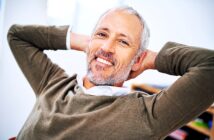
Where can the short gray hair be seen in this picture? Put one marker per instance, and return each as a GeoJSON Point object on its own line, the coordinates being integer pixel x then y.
{"type": "Point", "coordinates": [145, 33]}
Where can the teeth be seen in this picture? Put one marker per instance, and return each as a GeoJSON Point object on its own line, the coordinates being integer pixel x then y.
{"type": "Point", "coordinates": [104, 61]}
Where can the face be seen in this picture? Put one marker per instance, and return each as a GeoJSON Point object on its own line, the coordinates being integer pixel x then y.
{"type": "Point", "coordinates": [112, 49]}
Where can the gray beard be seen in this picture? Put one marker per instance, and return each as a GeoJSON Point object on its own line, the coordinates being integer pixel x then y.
{"type": "Point", "coordinates": [115, 78]}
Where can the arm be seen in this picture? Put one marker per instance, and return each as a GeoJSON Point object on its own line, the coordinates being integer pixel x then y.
{"type": "Point", "coordinates": [27, 44]}
{"type": "Point", "coordinates": [190, 95]}
{"type": "Point", "coordinates": [148, 62]}
{"type": "Point", "coordinates": [79, 42]}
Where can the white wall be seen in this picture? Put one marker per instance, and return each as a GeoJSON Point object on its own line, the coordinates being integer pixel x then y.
{"type": "Point", "coordinates": [17, 98]}
{"type": "Point", "coordinates": [2, 6]}
{"type": "Point", "coordinates": [184, 21]}
{"type": "Point", "coordinates": [189, 22]}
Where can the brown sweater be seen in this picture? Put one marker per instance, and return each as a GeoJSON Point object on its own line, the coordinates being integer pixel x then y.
{"type": "Point", "coordinates": [63, 112]}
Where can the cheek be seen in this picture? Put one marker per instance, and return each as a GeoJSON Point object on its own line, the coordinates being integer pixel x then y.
{"type": "Point", "coordinates": [124, 58]}
{"type": "Point", "coordinates": [122, 63]}
{"type": "Point", "coordinates": [91, 51]}
{"type": "Point", "coordinates": [94, 45]}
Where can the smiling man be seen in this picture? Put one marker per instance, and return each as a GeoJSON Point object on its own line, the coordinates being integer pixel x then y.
{"type": "Point", "coordinates": [97, 106]}
{"type": "Point", "coordinates": [117, 33]}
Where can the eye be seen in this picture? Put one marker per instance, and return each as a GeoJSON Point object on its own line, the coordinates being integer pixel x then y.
{"type": "Point", "coordinates": [124, 42]}
{"type": "Point", "coordinates": [101, 34]}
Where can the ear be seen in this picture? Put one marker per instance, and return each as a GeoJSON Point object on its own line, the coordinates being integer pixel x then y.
{"type": "Point", "coordinates": [138, 62]}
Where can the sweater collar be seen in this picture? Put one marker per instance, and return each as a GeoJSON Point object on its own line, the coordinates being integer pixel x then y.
{"type": "Point", "coordinates": [103, 90]}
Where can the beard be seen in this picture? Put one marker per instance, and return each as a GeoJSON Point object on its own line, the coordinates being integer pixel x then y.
{"type": "Point", "coordinates": [117, 76]}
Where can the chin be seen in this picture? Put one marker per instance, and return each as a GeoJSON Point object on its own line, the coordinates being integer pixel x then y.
{"type": "Point", "coordinates": [104, 77]}
{"type": "Point", "coordinates": [98, 79]}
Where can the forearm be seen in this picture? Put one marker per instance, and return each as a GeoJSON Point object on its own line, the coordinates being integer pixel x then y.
{"type": "Point", "coordinates": [192, 93]}
{"type": "Point", "coordinates": [41, 37]}
{"type": "Point", "coordinates": [179, 59]}
{"type": "Point", "coordinates": [150, 60]}
{"type": "Point", "coordinates": [27, 44]}
{"type": "Point", "coordinates": [79, 42]}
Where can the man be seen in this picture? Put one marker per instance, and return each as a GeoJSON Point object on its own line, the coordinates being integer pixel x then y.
{"type": "Point", "coordinates": [97, 106]}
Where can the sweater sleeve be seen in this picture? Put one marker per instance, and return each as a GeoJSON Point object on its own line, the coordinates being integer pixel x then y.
{"type": "Point", "coordinates": [190, 95]}
{"type": "Point", "coordinates": [27, 44]}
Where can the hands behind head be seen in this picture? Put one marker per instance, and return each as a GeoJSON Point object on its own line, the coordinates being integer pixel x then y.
{"type": "Point", "coordinates": [147, 62]}
{"type": "Point", "coordinates": [79, 42]}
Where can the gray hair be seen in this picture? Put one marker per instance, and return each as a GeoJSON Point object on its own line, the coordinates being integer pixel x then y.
{"type": "Point", "coordinates": [145, 33]}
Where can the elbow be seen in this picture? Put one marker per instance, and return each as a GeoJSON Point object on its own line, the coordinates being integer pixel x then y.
{"type": "Point", "coordinates": [11, 35]}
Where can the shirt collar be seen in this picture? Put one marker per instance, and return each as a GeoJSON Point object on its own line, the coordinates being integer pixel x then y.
{"type": "Point", "coordinates": [103, 90]}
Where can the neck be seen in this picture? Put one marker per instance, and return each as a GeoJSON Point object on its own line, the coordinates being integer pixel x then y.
{"type": "Point", "coordinates": [88, 84]}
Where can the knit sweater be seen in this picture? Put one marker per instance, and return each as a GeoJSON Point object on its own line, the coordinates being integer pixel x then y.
{"type": "Point", "coordinates": [63, 112]}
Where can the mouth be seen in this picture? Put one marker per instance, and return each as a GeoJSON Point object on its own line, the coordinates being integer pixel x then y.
{"type": "Point", "coordinates": [104, 61]}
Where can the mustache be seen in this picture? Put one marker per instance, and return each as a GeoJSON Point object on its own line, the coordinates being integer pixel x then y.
{"type": "Point", "coordinates": [107, 55]}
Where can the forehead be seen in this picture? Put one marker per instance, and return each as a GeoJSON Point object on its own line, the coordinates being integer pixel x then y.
{"type": "Point", "coordinates": [122, 22]}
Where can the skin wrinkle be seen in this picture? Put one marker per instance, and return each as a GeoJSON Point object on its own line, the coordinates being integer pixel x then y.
{"type": "Point", "coordinates": [120, 109]}
{"type": "Point", "coordinates": [107, 55]}
{"type": "Point", "coordinates": [145, 32]}
{"type": "Point", "coordinates": [104, 44]}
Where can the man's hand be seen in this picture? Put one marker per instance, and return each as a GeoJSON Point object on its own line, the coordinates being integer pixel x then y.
{"type": "Point", "coordinates": [147, 62]}
{"type": "Point", "coordinates": [79, 42]}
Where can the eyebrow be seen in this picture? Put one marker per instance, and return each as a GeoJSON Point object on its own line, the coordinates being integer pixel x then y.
{"type": "Point", "coordinates": [121, 34]}
{"type": "Point", "coordinates": [103, 28]}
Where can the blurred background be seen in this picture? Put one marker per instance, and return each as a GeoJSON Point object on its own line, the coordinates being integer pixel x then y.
{"type": "Point", "coordinates": [185, 21]}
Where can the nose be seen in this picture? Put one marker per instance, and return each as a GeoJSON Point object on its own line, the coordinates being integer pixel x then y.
{"type": "Point", "coordinates": [108, 46]}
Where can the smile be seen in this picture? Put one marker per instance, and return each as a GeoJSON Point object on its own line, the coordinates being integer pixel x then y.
{"type": "Point", "coordinates": [104, 61]}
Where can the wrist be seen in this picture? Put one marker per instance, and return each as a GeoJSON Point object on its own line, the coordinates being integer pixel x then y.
{"type": "Point", "coordinates": [79, 42]}
{"type": "Point", "coordinates": [151, 56]}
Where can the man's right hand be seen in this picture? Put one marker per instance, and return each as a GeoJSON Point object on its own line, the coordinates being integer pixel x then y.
{"type": "Point", "coordinates": [148, 62]}
{"type": "Point", "coordinates": [79, 42]}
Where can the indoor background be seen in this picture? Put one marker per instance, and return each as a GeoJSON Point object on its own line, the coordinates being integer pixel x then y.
{"type": "Point", "coordinates": [185, 21]}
